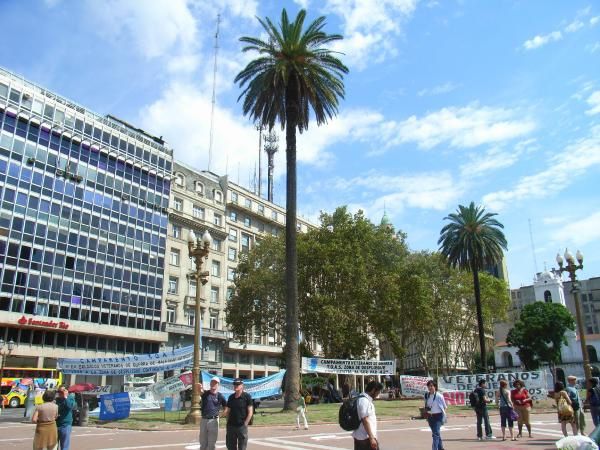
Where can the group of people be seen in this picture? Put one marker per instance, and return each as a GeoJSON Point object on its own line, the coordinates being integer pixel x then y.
{"type": "Point", "coordinates": [54, 420]}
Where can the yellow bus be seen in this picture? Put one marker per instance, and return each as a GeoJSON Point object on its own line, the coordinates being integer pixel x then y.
{"type": "Point", "coordinates": [16, 381]}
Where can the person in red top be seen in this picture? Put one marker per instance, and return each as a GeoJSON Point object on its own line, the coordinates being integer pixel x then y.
{"type": "Point", "coordinates": [523, 403]}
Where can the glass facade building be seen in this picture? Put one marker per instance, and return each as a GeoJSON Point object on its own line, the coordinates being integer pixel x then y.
{"type": "Point", "coordinates": [83, 223]}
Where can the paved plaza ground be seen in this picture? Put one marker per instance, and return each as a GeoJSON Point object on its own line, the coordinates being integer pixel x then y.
{"type": "Point", "coordinates": [459, 434]}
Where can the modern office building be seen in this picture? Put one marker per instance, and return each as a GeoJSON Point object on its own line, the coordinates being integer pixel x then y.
{"type": "Point", "coordinates": [83, 226]}
{"type": "Point", "coordinates": [236, 218]}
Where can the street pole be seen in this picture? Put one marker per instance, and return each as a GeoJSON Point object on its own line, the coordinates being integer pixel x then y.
{"type": "Point", "coordinates": [199, 250]}
{"type": "Point", "coordinates": [3, 355]}
{"type": "Point", "coordinates": [571, 268]}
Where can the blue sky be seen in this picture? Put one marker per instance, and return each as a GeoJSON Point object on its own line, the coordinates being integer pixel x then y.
{"type": "Point", "coordinates": [447, 102]}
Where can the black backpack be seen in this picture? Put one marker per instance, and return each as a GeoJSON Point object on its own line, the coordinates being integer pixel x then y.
{"type": "Point", "coordinates": [348, 415]}
{"type": "Point", "coordinates": [474, 399]}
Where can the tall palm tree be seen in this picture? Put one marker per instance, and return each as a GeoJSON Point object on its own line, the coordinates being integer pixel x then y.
{"type": "Point", "coordinates": [294, 74]}
{"type": "Point", "coordinates": [472, 240]}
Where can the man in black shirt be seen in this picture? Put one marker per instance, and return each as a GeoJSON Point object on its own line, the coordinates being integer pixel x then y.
{"type": "Point", "coordinates": [481, 411]}
{"type": "Point", "coordinates": [212, 401]}
{"type": "Point", "coordinates": [239, 413]}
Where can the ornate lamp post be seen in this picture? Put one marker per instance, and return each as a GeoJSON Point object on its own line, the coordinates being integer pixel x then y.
{"type": "Point", "coordinates": [571, 268]}
{"type": "Point", "coordinates": [4, 352]}
{"type": "Point", "coordinates": [199, 249]}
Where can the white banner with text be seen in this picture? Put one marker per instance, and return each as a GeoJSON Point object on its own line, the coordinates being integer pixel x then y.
{"type": "Point", "coordinates": [348, 366]}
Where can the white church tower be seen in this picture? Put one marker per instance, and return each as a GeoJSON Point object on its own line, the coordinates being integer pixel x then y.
{"type": "Point", "coordinates": [548, 287]}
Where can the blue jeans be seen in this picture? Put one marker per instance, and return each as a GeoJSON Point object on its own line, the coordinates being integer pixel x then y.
{"type": "Point", "coordinates": [435, 423]}
{"type": "Point", "coordinates": [483, 416]}
{"type": "Point", "coordinates": [595, 410]}
{"type": "Point", "coordinates": [64, 437]}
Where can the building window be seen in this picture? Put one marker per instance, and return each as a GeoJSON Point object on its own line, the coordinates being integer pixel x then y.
{"type": "Point", "coordinates": [170, 314]}
{"type": "Point", "coordinates": [261, 227]}
{"type": "Point", "coordinates": [176, 231]}
{"type": "Point", "coordinates": [191, 318]}
{"type": "Point", "coordinates": [175, 257]}
{"type": "Point", "coordinates": [214, 321]}
{"type": "Point", "coordinates": [215, 269]}
{"type": "Point", "coordinates": [232, 254]}
{"type": "Point", "coordinates": [234, 197]}
{"type": "Point", "coordinates": [274, 215]}
{"type": "Point", "coordinates": [178, 204]}
{"type": "Point", "coordinates": [218, 220]}
{"type": "Point", "coordinates": [548, 297]}
{"type": "Point", "coordinates": [245, 242]}
{"type": "Point", "coordinates": [233, 216]}
{"type": "Point", "coordinates": [217, 244]}
{"type": "Point", "coordinates": [232, 235]}
{"type": "Point", "coordinates": [218, 197]}
{"type": "Point", "coordinates": [230, 274]}
{"type": "Point", "coordinates": [179, 179]}
{"type": "Point", "coordinates": [192, 288]}
{"type": "Point", "coordinates": [248, 203]}
{"type": "Point", "coordinates": [214, 294]}
{"type": "Point", "coordinates": [192, 263]}
{"type": "Point", "coordinates": [199, 188]}
{"type": "Point", "coordinates": [247, 221]}
{"type": "Point", "coordinates": [198, 212]}
{"type": "Point", "coordinates": [173, 285]}
{"type": "Point", "coordinates": [261, 209]}
{"type": "Point", "coordinates": [229, 293]}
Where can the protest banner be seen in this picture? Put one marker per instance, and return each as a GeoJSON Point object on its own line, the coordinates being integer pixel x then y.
{"type": "Point", "coordinates": [534, 382]}
{"type": "Point", "coordinates": [168, 386]}
{"type": "Point", "coordinates": [98, 390]}
{"type": "Point", "coordinates": [258, 388]}
{"type": "Point", "coordinates": [348, 366]}
{"type": "Point", "coordinates": [455, 398]}
{"type": "Point", "coordinates": [114, 406]}
{"type": "Point", "coordinates": [128, 364]}
{"type": "Point", "coordinates": [413, 386]}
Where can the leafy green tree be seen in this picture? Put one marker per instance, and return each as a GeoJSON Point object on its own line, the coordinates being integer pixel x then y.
{"type": "Point", "coordinates": [471, 240]}
{"type": "Point", "coordinates": [540, 332]}
{"type": "Point", "coordinates": [294, 74]}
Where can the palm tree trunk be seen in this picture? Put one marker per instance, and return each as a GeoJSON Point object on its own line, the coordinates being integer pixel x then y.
{"type": "Point", "coordinates": [292, 361]}
{"type": "Point", "coordinates": [479, 319]}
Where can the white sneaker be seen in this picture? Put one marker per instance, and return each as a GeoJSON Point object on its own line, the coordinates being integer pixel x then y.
{"type": "Point", "coordinates": [489, 438]}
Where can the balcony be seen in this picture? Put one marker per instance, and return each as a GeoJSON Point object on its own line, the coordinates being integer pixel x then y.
{"type": "Point", "coordinates": [190, 300]}
{"type": "Point", "coordinates": [189, 330]}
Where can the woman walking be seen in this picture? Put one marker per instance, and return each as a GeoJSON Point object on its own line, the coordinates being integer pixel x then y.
{"type": "Point", "coordinates": [44, 416]}
{"type": "Point", "coordinates": [301, 412]}
{"type": "Point", "coordinates": [564, 407]}
{"type": "Point", "coordinates": [435, 411]}
{"type": "Point", "coordinates": [506, 410]}
{"type": "Point", "coordinates": [522, 402]}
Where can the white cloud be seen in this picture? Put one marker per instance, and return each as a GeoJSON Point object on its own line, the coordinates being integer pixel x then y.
{"type": "Point", "coordinates": [593, 48]}
{"type": "Point", "coordinates": [594, 102]}
{"type": "Point", "coordinates": [574, 26]}
{"type": "Point", "coordinates": [562, 170]}
{"type": "Point", "coordinates": [496, 158]}
{"type": "Point", "coordinates": [468, 126]}
{"type": "Point", "coordinates": [435, 190]}
{"type": "Point", "coordinates": [540, 40]}
{"type": "Point", "coordinates": [580, 231]}
{"type": "Point", "coordinates": [369, 27]}
{"type": "Point", "coordinates": [594, 21]}
{"type": "Point", "coordinates": [437, 90]}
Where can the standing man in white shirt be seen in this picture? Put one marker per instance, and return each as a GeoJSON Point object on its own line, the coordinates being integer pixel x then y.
{"type": "Point", "coordinates": [365, 436]}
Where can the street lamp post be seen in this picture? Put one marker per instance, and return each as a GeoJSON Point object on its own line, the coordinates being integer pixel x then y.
{"type": "Point", "coordinates": [571, 268]}
{"type": "Point", "coordinates": [198, 249]}
{"type": "Point", "coordinates": [4, 353]}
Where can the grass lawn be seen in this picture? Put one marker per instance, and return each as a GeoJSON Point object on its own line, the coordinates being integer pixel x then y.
{"type": "Point", "coordinates": [322, 413]}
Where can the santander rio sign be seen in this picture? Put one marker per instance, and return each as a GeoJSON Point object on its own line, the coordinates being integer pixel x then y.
{"type": "Point", "coordinates": [24, 321]}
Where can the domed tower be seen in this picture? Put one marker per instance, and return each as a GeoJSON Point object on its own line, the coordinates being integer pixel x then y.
{"type": "Point", "coordinates": [385, 221]}
{"type": "Point", "coordinates": [548, 288]}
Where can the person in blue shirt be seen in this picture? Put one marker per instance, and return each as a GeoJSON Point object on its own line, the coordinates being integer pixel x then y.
{"type": "Point", "coordinates": [64, 422]}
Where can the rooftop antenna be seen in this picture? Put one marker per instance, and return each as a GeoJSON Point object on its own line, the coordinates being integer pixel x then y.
{"type": "Point", "coordinates": [271, 148]}
{"type": "Point", "coordinates": [214, 95]}
{"type": "Point", "coordinates": [260, 129]}
{"type": "Point", "coordinates": [532, 247]}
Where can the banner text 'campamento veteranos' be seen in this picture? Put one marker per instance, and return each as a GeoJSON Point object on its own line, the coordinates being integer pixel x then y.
{"type": "Point", "coordinates": [348, 366]}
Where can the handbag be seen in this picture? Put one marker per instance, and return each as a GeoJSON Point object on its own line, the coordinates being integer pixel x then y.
{"type": "Point", "coordinates": [512, 413]}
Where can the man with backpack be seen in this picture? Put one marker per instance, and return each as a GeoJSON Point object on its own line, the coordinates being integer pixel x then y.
{"type": "Point", "coordinates": [573, 391]}
{"type": "Point", "coordinates": [479, 400]}
{"type": "Point", "coordinates": [365, 436]}
{"type": "Point", "coordinates": [593, 398]}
